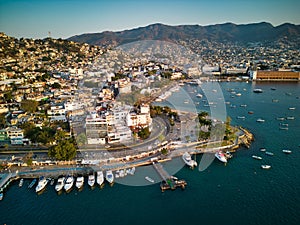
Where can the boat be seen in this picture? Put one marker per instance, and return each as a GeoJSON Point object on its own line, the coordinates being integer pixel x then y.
{"type": "Point", "coordinates": [220, 156]}
{"type": "Point", "coordinates": [91, 180]}
{"type": "Point", "coordinates": [273, 88]}
{"type": "Point", "coordinates": [52, 181]}
{"type": "Point", "coordinates": [60, 184]}
{"type": "Point", "coordinates": [269, 153]}
{"type": "Point", "coordinates": [283, 128]}
{"type": "Point", "coordinates": [109, 176]}
{"type": "Point", "coordinates": [262, 149]}
{"type": "Point", "coordinates": [256, 157]}
{"type": "Point", "coordinates": [199, 96]}
{"type": "Point", "coordinates": [131, 171]}
{"type": "Point", "coordinates": [292, 108]}
{"type": "Point", "coordinates": [257, 90]}
{"type": "Point", "coordinates": [41, 184]}
{"type": "Point", "coordinates": [290, 118]}
{"type": "Point", "coordinates": [100, 178]}
{"type": "Point", "coordinates": [238, 94]}
{"type": "Point", "coordinates": [275, 100]}
{"type": "Point", "coordinates": [1, 196]}
{"type": "Point", "coordinates": [241, 117]}
{"type": "Point", "coordinates": [21, 182]}
{"type": "Point", "coordinates": [250, 112]}
{"type": "Point", "coordinates": [260, 120]}
{"type": "Point", "coordinates": [280, 118]}
{"type": "Point", "coordinates": [266, 167]}
{"type": "Point", "coordinates": [79, 182]}
{"type": "Point", "coordinates": [149, 179]}
{"type": "Point", "coordinates": [228, 155]}
{"type": "Point", "coordinates": [69, 183]}
{"type": "Point", "coordinates": [187, 158]}
{"type": "Point", "coordinates": [287, 151]}
{"type": "Point", "coordinates": [32, 183]}
{"type": "Point", "coordinates": [243, 105]}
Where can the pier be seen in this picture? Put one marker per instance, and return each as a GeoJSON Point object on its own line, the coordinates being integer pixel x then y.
{"type": "Point", "coordinates": [6, 179]}
{"type": "Point", "coordinates": [169, 182]}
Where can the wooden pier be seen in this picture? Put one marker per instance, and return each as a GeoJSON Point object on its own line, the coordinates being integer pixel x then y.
{"type": "Point", "coordinates": [169, 182]}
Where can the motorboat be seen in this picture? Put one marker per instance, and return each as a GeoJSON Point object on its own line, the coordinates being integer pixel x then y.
{"type": "Point", "coordinates": [100, 178]}
{"type": "Point", "coordinates": [260, 120]}
{"type": "Point", "coordinates": [60, 184]}
{"type": "Point", "coordinates": [187, 158]}
{"type": "Point", "coordinates": [79, 182]}
{"type": "Point", "coordinates": [262, 149]}
{"type": "Point", "coordinates": [199, 96]}
{"type": "Point", "coordinates": [269, 153]}
{"type": "Point", "coordinates": [292, 108]}
{"type": "Point", "coordinates": [290, 118]}
{"type": "Point", "coordinates": [21, 182]}
{"type": "Point", "coordinates": [149, 179]}
{"type": "Point", "coordinates": [69, 183]}
{"type": "Point", "coordinates": [221, 156]}
{"type": "Point", "coordinates": [266, 167]}
{"type": "Point", "coordinates": [109, 176]}
{"type": "Point", "coordinates": [41, 184]}
{"type": "Point", "coordinates": [91, 180]}
{"type": "Point", "coordinates": [257, 90]}
{"type": "Point", "coordinates": [257, 157]}
{"type": "Point", "coordinates": [32, 183]}
{"type": "Point", "coordinates": [287, 151]}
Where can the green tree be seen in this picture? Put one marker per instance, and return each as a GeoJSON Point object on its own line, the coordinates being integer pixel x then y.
{"type": "Point", "coordinates": [56, 85]}
{"type": "Point", "coordinates": [2, 121]}
{"type": "Point", "coordinates": [144, 133]}
{"type": "Point", "coordinates": [64, 150]}
{"type": "Point", "coordinates": [81, 139]}
{"type": "Point", "coordinates": [29, 106]}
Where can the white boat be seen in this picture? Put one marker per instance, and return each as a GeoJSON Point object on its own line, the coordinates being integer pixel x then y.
{"type": "Point", "coordinates": [256, 157]}
{"type": "Point", "coordinates": [241, 117]}
{"type": "Point", "coordinates": [199, 96]}
{"type": "Point", "coordinates": [266, 167]}
{"type": "Point", "coordinates": [100, 178]}
{"type": "Point", "coordinates": [238, 94]}
{"type": "Point", "coordinates": [260, 120]}
{"type": "Point", "coordinates": [91, 180]}
{"type": "Point", "coordinates": [21, 182]}
{"type": "Point", "coordinates": [60, 184]}
{"type": "Point", "coordinates": [109, 176]}
{"type": "Point", "coordinates": [262, 149]}
{"type": "Point", "coordinates": [79, 182]}
{"type": "Point", "coordinates": [187, 158]}
{"type": "Point", "coordinates": [69, 183]}
{"type": "Point", "coordinates": [287, 151]}
{"type": "Point", "coordinates": [269, 153]}
{"type": "Point", "coordinates": [149, 179]}
{"type": "Point", "coordinates": [221, 156]}
{"type": "Point", "coordinates": [131, 171]}
{"type": "Point", "coordinates": [290, 118]}
{"type": "Point", "coordinates": [292, 108]}
{"type": "Point", "coordinates": [41, 184]}
{"type": "Point", "coordinates": [280, 118]}
{"type": "Point", "coordinates": [257, 90]}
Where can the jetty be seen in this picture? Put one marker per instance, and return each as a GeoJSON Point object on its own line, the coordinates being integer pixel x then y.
{"type": "Point", "coordinates": [6, 179]}
{"type": "Point", "coordinates": [169, 182]}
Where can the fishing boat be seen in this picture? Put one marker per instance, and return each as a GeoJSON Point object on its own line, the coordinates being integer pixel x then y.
{"type": "Point", "coordinates": [100, 178]}
{"type": "Point", "coordinates": [287, 151]}
{"type": "Point", "coordinates": [91, 180]}
{"type": "Point", "coordinates": [21, 182]}
{"type": "Point", "coordinates": [41, 184]}
{"type": "Point", "coordinates": [269, 153]}
{"type": "Point", "coordinates": [266, 167]}
{"type": "Point", "coordinates": [79, 182]}
{"type": "Point", "coordinates": [187, 158]}
{"type": "Point", "coordinates": [220, 156]}
{"type": "Point", "coordinates": [109, 176]}
{"type": "Point", "coordinates": [60, 184]}
{"type": "Point", "coordinates": [149, 179]}
{"type": "Point", "coordinates": [32, 183]}
{"type": "Point", "coordinates": [257, 157]}
{"type": "Point", "coordinates": [69, 183]}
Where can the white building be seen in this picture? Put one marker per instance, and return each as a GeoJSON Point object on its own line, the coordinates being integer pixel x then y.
{"type": "Point", "coordinates": [15, 135]}
{"type": "Point", "coordinates": [57, 113]}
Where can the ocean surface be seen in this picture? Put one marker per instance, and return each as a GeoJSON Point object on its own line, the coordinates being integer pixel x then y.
{"type": "Point", "coordinates": [239, 192]}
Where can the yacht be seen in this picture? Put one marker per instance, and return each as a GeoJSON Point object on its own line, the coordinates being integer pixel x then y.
{"type": "Point", "coordinates": [109, 176]}
{"type": "Point", "coordinates": [41, 184]}
{"type": "Point", "coordinates": [220, 156]}
{"type": "Point", "coordinates": [91, 180]}
{"type": "Point", "coordinates": [100, 178]}
{"type": "Point", "coordinates": [79, 182]}
{"type": "Point", "coordinates": [60, 184]}
{"type": "Point", "coordinates": [188, 160]}
{"type": "Point", "coordinates": [21, 182]}
{"type": "Point", "coordinates": [257, 90]}
{"type": "Point", "coordinates": [256, 157]}
{"type": "Point", "coordinates": [265, 167]}
{"type": "Point", "coordinates": [149, 179]}
{"type": "Point", "coordinates": [287, 151]}
{"type": "Point", "coordinates": [69, 183]}
{"type": "Point", "coordinates": [199, 96]}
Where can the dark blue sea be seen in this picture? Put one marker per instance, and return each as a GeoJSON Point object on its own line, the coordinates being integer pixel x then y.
{"type": "Point", "coordinates": [239, 192]}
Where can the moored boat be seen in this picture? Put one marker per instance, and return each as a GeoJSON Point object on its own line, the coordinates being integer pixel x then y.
{"type": "Point", "coordinates": [287, 151]}
{"type": "Point", "coordinates": [32, 183]}
{"type": "Point", "coordinates": [60, 184]}
{"type": "Point", "coordinates": [187, 158]}
{"type": "Point", "coordinates": [266, 167]}
{"type": "Point", "coordinates": [260, 120]}
{"type": "Point", "coordinates": [91, 180]}
{"type": "Point", "coordinates": [79, 182]}
{"type": "Point", "coordinates": [262, 149]}
{"type": "Point", "coordinates": [41, 184]}
{"type": "Point", "coordinates": [100, 178]}
{"type": "Point", "coordinates": [21, 182]}
{"type": "Point", "coordinates": [257, 90]}
{"type": "Point", "coordinates": [221, 156]}
{"type": "Point", "coordinates": [256, 157]}
{"type": "Point", "coordinates": [109, 176]}
{"type": "Point", "coordinates": [69, 183]}
{"type": "Point", "coordinates": [269, 153]}
{"type": "Point", "coordinates": [1, 196]}
{"type": "Point", "coordinates": [149, 179]}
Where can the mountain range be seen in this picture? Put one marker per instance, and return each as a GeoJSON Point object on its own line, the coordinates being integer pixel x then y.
{"type": "Point", "coordinates": [227, 32]}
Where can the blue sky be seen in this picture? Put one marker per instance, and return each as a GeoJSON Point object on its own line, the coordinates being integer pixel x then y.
{"type": "Point", "coordinates": [65, 18]}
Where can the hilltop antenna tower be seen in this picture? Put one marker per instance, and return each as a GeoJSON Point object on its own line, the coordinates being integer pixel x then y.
{"type": "Point", "coordinates": [49, 34]}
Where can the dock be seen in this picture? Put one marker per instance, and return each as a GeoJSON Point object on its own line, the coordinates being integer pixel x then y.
{"type": "Point", "coordinates": [6, 179]}
{"type": "Point", "coordinates": [169, 182]}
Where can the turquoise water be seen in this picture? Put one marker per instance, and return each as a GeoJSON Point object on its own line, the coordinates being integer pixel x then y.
{"type": "Point", "coordinates": [238, 193]}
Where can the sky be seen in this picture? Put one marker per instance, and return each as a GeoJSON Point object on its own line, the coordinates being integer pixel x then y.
{"type": "Point", "coordinates": [66, 18]}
